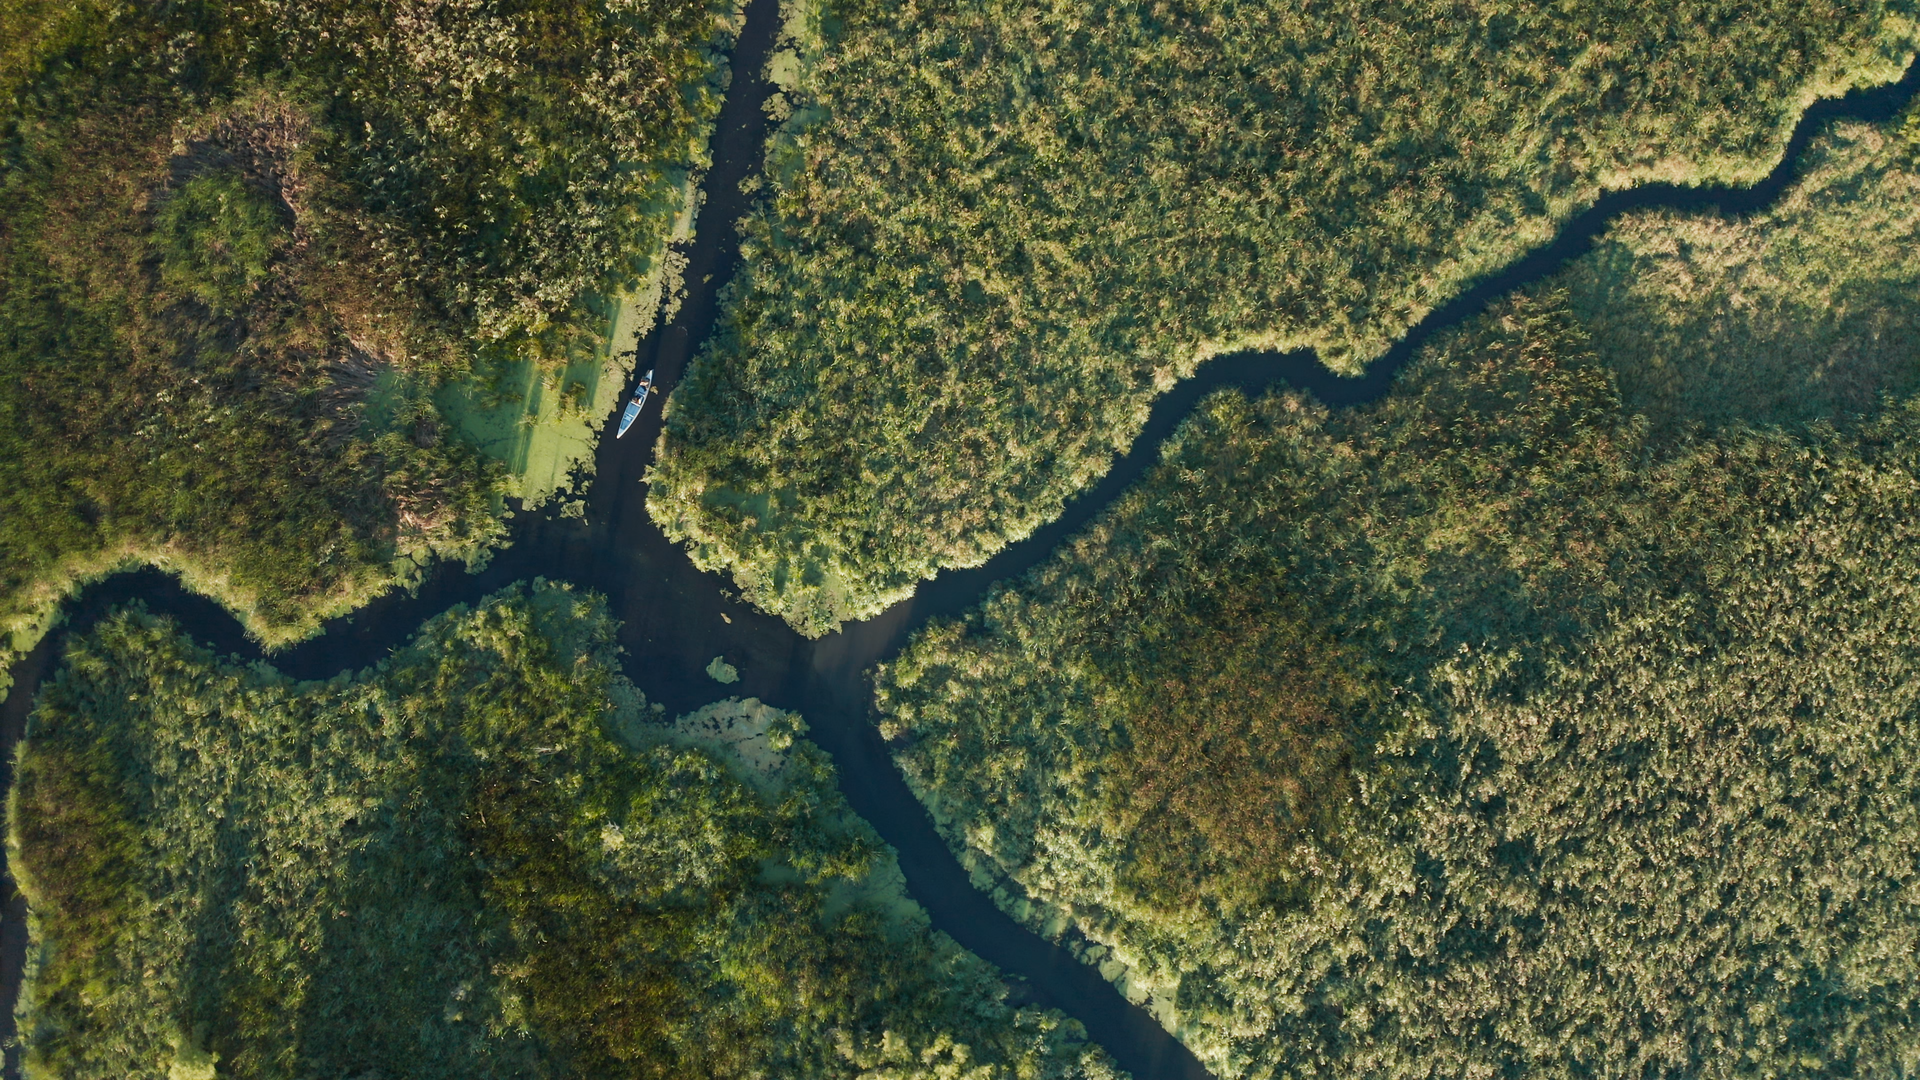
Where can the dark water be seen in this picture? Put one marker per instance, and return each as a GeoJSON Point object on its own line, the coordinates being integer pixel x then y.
{"type": "Point", "coordinates": [675, 618]}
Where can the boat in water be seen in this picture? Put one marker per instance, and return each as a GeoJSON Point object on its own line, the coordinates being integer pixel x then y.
{"type": "Point", "coordinates": [639, 402]}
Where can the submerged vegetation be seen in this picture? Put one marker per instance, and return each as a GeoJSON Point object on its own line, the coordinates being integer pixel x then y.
{"type": "Point", "coordinates": [246, 241]}
{"type": "Point", "coordinates": [993, 231]}
{"type": "Point", "coordinates": [487, 857]}
{"type": "Point", "coordinates": [1551, 717]}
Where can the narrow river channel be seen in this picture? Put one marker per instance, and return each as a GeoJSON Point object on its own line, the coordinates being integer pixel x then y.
{"type": "Point", "coordinates": [676, 618]}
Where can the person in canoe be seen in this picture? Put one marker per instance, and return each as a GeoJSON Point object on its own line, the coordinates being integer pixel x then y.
{"type": "Point", "coordinates": [639, 402]}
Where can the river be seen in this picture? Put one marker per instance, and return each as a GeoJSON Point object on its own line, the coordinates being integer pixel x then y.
{"type": "Point", "coordinates": [676, 618]}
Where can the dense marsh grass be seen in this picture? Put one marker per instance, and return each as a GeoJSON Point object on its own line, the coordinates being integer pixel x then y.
{"type": "Point", "coordinates": [486, 857]}
{"type": "Point", "coordinates": [227, 222]}
{"type": "Point", "coordinates": [1553, 716]}
{"type": "Point", "coordinates": [993, 231]}
{"type": "Point", "coordinates": [1799, 313]}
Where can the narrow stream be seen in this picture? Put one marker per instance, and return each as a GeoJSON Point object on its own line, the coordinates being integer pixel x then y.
{"type": "Point", "coordinates": [676, 618]}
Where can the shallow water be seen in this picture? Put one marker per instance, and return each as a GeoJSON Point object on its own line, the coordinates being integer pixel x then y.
{"type": "Point", "coordinates": [676, 619]}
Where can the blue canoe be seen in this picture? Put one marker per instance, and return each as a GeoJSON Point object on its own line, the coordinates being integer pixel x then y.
{"type": "Point", "coordinates": [639, 402]}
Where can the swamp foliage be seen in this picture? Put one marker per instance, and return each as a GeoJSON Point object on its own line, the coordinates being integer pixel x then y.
{"type": "Point", "coordinates": [483, 858]}
{"type": "Point", "coordinates": [1554, 716]}
{"type": "Point", "coordinates": [994, 230]}
{"type": "Point", "coordinates": [244, 241]}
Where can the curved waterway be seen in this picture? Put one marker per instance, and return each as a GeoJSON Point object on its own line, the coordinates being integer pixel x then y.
{"type": "Point", "coordinates": [676, 618]}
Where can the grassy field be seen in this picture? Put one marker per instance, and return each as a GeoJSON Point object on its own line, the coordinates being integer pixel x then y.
{"type": "Point", "coordinates": [1551, 717]}
{"type": "Point", "coordinates": [487, 857]}
{"type": "Point", "coordinates": [993, 231]}
{"type": "Point", "coordinates": [295, 293]}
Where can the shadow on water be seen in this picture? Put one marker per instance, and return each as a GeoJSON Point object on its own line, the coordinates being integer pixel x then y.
{"type": "Point", "coordinates": [675, 618]}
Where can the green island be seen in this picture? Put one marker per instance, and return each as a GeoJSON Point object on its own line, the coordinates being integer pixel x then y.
{"type": "Point", "coordinates": [296, 292]}
{"type": "Point", "coordinates": [992, 232]}
{"type": "Point", "coordinates": [1551, 716]}
{"type": "Point", "coordinates": [487, 857]}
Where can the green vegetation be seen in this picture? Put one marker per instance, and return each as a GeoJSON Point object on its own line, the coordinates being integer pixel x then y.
{"type": "Point", "coordinates": [263, 262]}
{"type": "Point", "coordinates": [994, 231]}
{"type": "Point", "coordinates": [214, 239]}
{"type": "Point", "coordinates": [1803, 313]}
{"type": "Point", "coordinates": [452, 866]}
{"type": "Point", "coordinates": [543, 421]}
{"type": "Point", "coordinates": [1551, 717]}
